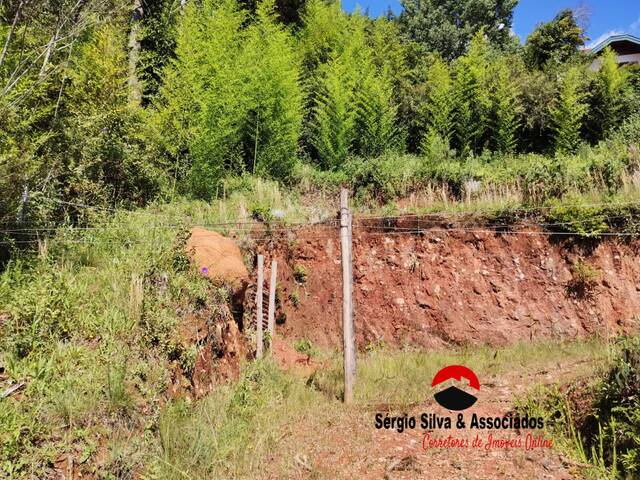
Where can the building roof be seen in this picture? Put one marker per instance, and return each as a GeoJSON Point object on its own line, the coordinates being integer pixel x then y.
{"type": "Point", "coordinates": [615, 39]}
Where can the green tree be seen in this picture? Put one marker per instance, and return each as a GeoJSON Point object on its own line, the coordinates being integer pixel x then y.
{"type": "Point", "coordinates": [212, 90]}
{"type": "Point", "coordinates": [105, 159]}
{"type": "Point", "coordinates": [447, 26]}
{"type": "Point", "coordinates": [320, 39]}
{"type": "Point", "coordinates": [609, 96]}
{"type": "Point", "coordinates": [324, 32]}
{"type": "Point", "coordinates": [231, 101]}
{"type": "Point", "coordinates": [555, 41]}
{"type": "Point", "coordinates": [569, 110]}
{"type": "Point", "coordinates": [68, 134]}
{"type": "Point", "coordinates": [505, 105]}
{"type": "Point", "coordinates": [389, 52]}
{"type": "Point", "coordinates": [334, 117]}
{"type": "Point", "coordinates": [157, 43]}
{"type": "Point", "coordinates": [376, 128]}
{"type": "Point", "coordinates": [471, 96]}
{"type": "Point", "coordinates": [272, 126]}
{"type": "Point", "coordinates": [288, 12]}
{"type": "Point", "coordinates": [438, 111]}
{"type": "Point", "coordinates": [354, 110]}
{"type": "Point", "coordinates": [537, 93]}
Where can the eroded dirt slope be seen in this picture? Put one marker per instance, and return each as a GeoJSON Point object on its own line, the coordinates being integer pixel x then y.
{"type": "Point", "coordinates": [436, 288]}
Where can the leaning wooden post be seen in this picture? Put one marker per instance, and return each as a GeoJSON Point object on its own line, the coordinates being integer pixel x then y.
{"type": "Point", "coordinates": [272, 302]}
{"type": "Point", "coordinates": [348, 332]}
{"type": "Point", "coordinates": [259, 341]}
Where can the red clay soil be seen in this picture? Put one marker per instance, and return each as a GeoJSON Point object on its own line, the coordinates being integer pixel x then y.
{"type": "Point", "coordinates": [220, 351]}
{"type": "Point", "coordinates": [288, 358]}
{"type": "Point", "coordinates": [219, 258]}
{"type": "Point", "coordinates": [434, 288]}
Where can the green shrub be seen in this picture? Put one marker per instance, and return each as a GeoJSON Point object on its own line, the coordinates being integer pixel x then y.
{"type": "Point", "coordinates": [584, 221]}
{"type": "Point", "coordinates": [261, 212]}
{"type": "Point", "coordinates": [305, 346]}
{"type": "Point", "coordinates": [598, 420]}
{"type": "Point", "coordinates": [300, 273]}
{"type": "Point", "coordinates": [383, 178]}
{"type": "Point", "coordinates": [618, 410]}
{"type": "Point", "coordinates": [585, 275]}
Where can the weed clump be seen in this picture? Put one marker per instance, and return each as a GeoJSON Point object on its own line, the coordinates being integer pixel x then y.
{"type": "Point", "coordinates": [585, 276]}
{"type": "Point", "coordinates": [300, 273]}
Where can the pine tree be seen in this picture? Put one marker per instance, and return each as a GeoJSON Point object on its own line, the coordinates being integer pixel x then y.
{"type": "Point", "coordinates": [569, 110]}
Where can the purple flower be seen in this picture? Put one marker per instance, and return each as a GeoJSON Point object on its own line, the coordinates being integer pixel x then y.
{"type": "Point", "coordinates": [204, 270]}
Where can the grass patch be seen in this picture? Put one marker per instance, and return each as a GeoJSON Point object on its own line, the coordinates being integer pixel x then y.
{"type": "Point", "coordinates": [404, 377]}
{"type": "Point", "coordinates": [234, 432]}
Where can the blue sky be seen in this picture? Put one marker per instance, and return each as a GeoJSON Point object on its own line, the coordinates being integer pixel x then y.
{"type": "Point", "coordinates": [605, 17]}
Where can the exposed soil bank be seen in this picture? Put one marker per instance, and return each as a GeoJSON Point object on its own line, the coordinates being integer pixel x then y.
{"type": "Point", "coordinates": [460, 287]}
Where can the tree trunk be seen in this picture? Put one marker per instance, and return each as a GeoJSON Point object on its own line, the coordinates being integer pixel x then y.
{"type": "Point", "coordinates": [47, 55]}
{"type": "Point", "coordinates": [135, 89]}
{"type": "Point", "coordinates": [10, 34]}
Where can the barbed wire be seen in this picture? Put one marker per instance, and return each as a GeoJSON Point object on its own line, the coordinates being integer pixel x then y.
{"type": "Point", "coordinates": [365, 233]}
{"type": "Point", "coordinates": [250, 226]}
{"type": "Point", "coordinates": [256, 230]}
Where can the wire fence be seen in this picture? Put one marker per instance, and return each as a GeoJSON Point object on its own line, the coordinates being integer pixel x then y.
{"type": "Point", "coordinates": [372, 225]}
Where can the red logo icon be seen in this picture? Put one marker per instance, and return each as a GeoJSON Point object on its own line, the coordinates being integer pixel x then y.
{"type": "Point", "coordinates": [454, 398]}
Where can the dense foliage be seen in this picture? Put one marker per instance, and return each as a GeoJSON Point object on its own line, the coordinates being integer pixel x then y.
{"type": "Point", "coordinates": [446, 26]}
{"type": "Point", "coordinates": [556, 41]}
{"type": "Point", "coordinates": [115, 103]}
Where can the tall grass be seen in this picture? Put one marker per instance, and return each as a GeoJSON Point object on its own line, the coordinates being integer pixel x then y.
{"type": "Point", "coordinates": [232, 432]}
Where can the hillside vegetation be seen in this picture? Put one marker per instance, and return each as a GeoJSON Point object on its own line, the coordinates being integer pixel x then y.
{"type": "Point", "coordinates": [123, 123]}
{"type": "Point", "coordinates": [113, 104]}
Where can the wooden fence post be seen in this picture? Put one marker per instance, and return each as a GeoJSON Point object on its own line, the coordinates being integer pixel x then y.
{"type": "Point", "coordinates": [259, 340]}
{"type": "Point", "coordinates": [272, 302]}
{"type": "Point", "coordinates": [348, 331]}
